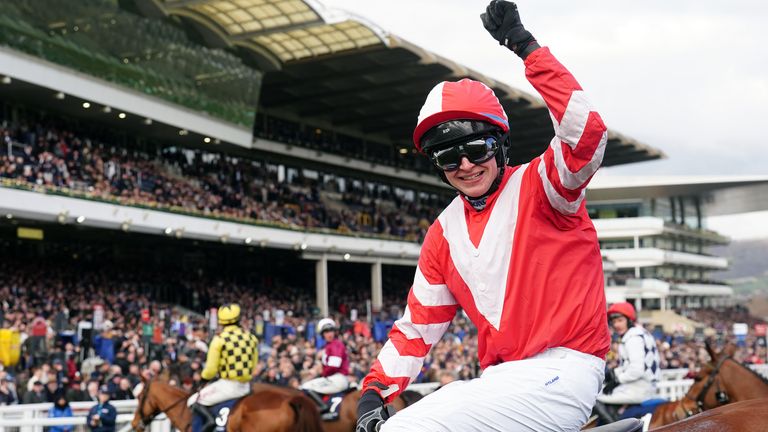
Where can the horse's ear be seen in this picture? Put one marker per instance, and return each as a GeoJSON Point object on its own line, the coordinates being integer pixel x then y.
{"type": "Point", "coordinates": [710, 350]}
{"type": "Point", "coordinates": [144, 376]}
{"type": "Point", "coordinates": [730, 349]}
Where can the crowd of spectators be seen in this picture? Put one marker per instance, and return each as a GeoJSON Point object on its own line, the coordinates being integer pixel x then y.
{"type": "Point", "coordinates": [137, 335]}
{"type": "Point", "coordinates": [209, 184]}
{"type": "Point", "coordinates": [52, 307]}
{"type": "Point", "coordinates": [329, 141]}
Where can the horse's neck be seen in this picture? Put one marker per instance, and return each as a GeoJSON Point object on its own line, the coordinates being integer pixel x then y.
{"type": "Point", "coordinates": [743, 384]}
{"type": "Point", "coordinates": [174, 405]}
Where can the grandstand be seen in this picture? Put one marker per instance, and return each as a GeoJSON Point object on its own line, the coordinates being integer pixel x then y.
{"type": "Point", "coordinates": [653, 230]}
{"type": "Point", "coordinates": [170, 156]}
{"type": "Point", "coordinates": [374, 83]}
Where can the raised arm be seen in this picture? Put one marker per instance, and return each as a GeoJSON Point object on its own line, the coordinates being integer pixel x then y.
{"type": "Point", "coordinates": [576, 151]}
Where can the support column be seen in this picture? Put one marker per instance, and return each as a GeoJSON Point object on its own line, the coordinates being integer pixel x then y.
{"type": "Point", "coordinates": [321, 285]}
{"type": "Point", "coordinates": [663, 303]}
{"type": "Point", "coordinates": [376, 289]}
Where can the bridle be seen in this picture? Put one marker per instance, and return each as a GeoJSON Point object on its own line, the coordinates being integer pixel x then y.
{"type": "Point", "coordinates": [146, 420]}
{"type": "Point", "coordinates": [721, 397]}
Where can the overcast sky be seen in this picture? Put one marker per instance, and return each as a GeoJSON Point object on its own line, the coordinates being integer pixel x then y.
{"type": "Point", "coordinates": [688, 77]}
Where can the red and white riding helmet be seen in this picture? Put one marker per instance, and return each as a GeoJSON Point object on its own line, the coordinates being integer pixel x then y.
{"type": "Point", "coordinates": [459, 100]}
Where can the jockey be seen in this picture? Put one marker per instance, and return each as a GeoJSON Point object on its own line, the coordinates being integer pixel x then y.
{"type": "Point", "coordinates": [634, 380]}
{"type": "Point", "coordinates": [232, 355]}
{"type": "Point", "coordinates": [335, 365]}
{"type": "Point", "coordinates": [515, 250]}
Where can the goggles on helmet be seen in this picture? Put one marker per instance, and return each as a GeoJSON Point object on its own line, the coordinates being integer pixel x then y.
{"type": "Point", "coordinates": [477, 150]}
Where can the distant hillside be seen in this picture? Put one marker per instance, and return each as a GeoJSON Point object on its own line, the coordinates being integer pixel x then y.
{"type": "Point", "coordinates": [748, 258]}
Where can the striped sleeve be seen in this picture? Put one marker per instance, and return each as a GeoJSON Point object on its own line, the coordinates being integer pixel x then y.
{"type": "Point", "coordinates": [576, 151]}
{"type": "Point", "coordinates": [430, 310]}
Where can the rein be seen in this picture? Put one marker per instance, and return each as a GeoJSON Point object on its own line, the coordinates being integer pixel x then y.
{"type": "Point", "coordinates": [720, 396]}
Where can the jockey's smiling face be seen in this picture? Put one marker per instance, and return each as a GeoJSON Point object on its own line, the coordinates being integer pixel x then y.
{"type": "Point", "coordinates": [620, 324]}
{"type": "Point", "coordinates": [473, 180]}
{"type": "Point", "coordinates": [329, 335]}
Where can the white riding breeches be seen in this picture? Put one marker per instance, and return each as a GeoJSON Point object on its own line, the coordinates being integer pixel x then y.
{"type": "Point", "coordinates": [552, 391]}
{"type": "Point", "coordinates": [634, 392]}
{"type": "Point", "coordinates": [335, 383]}
{"type": "Point", "coordinates": [219, 391]}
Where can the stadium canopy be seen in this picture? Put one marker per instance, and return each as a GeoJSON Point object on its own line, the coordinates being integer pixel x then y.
{"type": "Point", "coordinates": [329, 69]}
{"type": "Point", "coordinates": [720, 195]}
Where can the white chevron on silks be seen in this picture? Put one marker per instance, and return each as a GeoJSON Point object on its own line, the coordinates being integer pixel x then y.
{"type": "Point", "coordinates": [484, 269]}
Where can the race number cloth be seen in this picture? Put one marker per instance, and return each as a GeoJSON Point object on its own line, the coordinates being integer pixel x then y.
{"type": "Point", "coordinates": [527, 269]}
{"type": "Point", "coordinates": [220, 413]}
{"type": "Point", "coordinates": [553, 391]}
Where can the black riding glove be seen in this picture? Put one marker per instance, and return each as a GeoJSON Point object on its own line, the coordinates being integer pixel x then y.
{"type": "Point", "coordinates": [371, 412]}
{"type": "Point", "coordinates": [611, 382]}
{"type": "Point", "coordinates": [502, 21]}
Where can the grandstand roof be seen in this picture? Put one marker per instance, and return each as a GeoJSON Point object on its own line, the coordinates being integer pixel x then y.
{"type": "Point", "coordinates": [606, 187]}
{"type": "Point", "coordinates": [331, 69]}
{"type": "Point", "coordinates": [720, 194]}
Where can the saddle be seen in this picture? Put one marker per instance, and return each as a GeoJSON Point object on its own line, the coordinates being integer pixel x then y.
{"type": "Point", "coordinates": [626, 425]}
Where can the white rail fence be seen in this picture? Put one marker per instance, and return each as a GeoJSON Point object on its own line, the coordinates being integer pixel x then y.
{"type": "Point", "coordinates": [34, 417]}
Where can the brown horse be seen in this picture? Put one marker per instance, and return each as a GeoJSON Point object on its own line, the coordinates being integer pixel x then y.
{"type": "Point", "coordinates": [745, 416]}
{"type": "Point", "coordinates": [267, 409]}
{"type": "Point", "coordinates": [348, 415]}
{"type": "Point", "coordinates": [722, 381]}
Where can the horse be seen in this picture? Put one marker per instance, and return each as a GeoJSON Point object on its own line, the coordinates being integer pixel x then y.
{"type": "Point", "coordinates": [722, 381]}
{"type": "Point", "coordinates": [348, 415]}
{"type": "Point", "coordinates": [745, 416]}
{"type": "Point", "coordinates": [266, 409]}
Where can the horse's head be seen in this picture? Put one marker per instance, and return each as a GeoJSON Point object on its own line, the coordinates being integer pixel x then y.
{"type": "Point", "coordinates": [148, 407]}
{"type": "Point", "coordinates": [708, 390]}
{"type": "Point", "coordinates": [158, 396]}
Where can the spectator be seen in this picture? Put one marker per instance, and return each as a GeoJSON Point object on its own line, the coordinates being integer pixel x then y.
{"type": "Point", "coordinates": [60, 409]}
{"type": "Point", "coordinates": [102, 416]}
{"type": "Point", "coordinates": [6, 393]}
{"type": "Point", "coordinates": [36, 395]}
{"type": "Point", "coordinates": [103, 343]}
{"type": "Point", "coordinates": [51, 390]}
{"type": "Point", "coordinates": [124, 390]}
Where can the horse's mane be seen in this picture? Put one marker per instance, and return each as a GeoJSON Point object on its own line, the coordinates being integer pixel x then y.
{"type": "Point", "coordinates": [748, 369]}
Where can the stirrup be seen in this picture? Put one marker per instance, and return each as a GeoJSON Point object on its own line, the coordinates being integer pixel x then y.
{"type": "Point", "coordinates": [315, 396]}
{"type": "Point", "coordinates": [209, 423]}
{"type": "Point", "coordinates": [604, 413]}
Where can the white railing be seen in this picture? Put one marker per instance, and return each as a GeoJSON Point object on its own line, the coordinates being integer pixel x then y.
{"type": "Point", "coordinates": [762, 369]}
{"type": "Point", "coordinates": [673, 374]}
{"type": "Point", "coordinates": [34, 417]}
{"type": "Point", "coordinates": [674, 389]}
